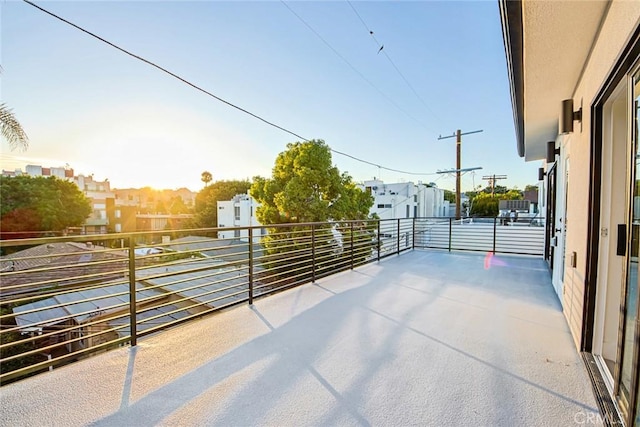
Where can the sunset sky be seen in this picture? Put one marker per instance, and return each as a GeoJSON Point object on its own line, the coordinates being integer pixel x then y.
{"type": "Point", "coordinates": [312, 68]}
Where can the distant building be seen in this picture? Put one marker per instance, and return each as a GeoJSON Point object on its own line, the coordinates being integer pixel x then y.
{"type": "Point", "coordinates": [158, 222]}
{"type": "Point", "coordinates": [405, 200]}
{"type": "Point", "coordinates": [102, 202]}
{"type": "Point", "coordinates": [148, 200]}
{"type": "Point", "coordinates": [240, 211]}
{"type": "Point", "coordinates": [119, 210]}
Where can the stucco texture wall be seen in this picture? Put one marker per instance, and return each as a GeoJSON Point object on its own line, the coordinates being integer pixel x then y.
{"type": "Point", "coordinates": [620, 22]}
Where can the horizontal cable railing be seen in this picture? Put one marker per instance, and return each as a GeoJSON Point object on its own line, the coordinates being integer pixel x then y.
{"type": "Point", "coordinates": [480, 234]}
{"type": "Point", "coordinates": [63, 299]}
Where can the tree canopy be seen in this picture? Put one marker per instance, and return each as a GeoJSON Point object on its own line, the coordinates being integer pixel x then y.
{"type": "Point", "coordinates": [41, 204]}
{"type": "Point", "coordinates": [306, 187]}
{"type": "Point", "coordinates": [484, 204]}
{"type": "Point", "coordinates": [206, 177]}
{"type": "Point", "coordinates": [206, 209]}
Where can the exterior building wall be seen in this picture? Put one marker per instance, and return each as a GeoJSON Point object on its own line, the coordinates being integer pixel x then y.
{"type": "Point", "coordinates": [431, 202]}
{"type": "Point", "coordinates": [156, 222]}
{"type": "Point", "coordinates": [146, 199]}
{"type": "Point", "coordinates": [239, 212]}
{"type": "Point", "coordinates": [405, 200]}
{"type": "Point", "coordinates": [575, 156]}
{"type": "Point", "coordinates": [101, 196]}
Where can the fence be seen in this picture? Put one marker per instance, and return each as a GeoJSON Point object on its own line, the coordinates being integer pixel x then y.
{"type": "Point", "coordinates": [67, 298]}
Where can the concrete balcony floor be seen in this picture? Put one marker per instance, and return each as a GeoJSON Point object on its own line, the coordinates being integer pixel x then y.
{"type": "Point", "coordinates": [425, 338]}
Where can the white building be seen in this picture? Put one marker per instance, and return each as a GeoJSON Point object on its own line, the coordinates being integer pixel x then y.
{"type": "Point", "coordinates": [58, 172]}
{"type": "Point", "coordinates": [405, 200]}
{"type": "Point", "coordinates": [240, 211]}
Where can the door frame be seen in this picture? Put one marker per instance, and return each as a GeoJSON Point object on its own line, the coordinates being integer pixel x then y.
{"type": "Point", "coordinates": [622, 68]}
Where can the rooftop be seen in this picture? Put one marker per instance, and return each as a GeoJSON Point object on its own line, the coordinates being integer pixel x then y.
{"type": "Point", "coordinates": [424, 338]}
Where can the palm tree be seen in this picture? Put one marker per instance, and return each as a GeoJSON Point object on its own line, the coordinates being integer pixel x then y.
{"type": "Point", "coordinates": [206, 177]}
{"type": "Point", "coordinates": [11, 129]}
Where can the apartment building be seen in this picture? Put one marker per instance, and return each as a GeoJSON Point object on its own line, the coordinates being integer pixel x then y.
{"type": "Point", "coordinates": [240, 211]}
{"type": "Point", "coordinates": [405, 200]}
{"type": "Point", "coordinates": [102, 202]}
{"type": "Point", "coordinates": [574, 71]}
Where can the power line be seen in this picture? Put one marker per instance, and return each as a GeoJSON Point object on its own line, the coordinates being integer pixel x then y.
{"type": "Point", "coordinates": [352, 67]}
{"type": "Point", "coordinates": [384, 52]}
{"type": "Point", "coordinates": [206, 92]}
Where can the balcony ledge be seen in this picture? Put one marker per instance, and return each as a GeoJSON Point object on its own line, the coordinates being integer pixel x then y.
{"type": "Point", "coordinates": [425, 338]}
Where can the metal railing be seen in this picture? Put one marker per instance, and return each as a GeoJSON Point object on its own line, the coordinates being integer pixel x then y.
{"type": "Point", "coordinates": [66, 298]}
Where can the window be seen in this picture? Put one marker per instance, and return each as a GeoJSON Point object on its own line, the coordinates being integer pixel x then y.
{"type": "Point", "coordinates": [118, 213]}
{"type": "Point", "coordinates": [236, 233]}
{"type": "Point", "coordinates": [384, 206]}
{"type": "Point", "coordinates": [236, 212]}
{"type": "Point", "coordinates": [220, 207]}
{"type": "Point", "coordinates": [407, 211]}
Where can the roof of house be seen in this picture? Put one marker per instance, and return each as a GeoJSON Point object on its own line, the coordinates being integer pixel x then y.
{"type": "Point", "coordinates": [59, 263]}
{"type": "Point", "coordinates": [202, 281]}
{"type": "Point", "coordinates": [79, 305]}
{"type": "Point", "coordinates": [227, 249]}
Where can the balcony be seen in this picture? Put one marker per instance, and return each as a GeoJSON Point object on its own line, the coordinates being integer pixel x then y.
{"type": "Point", "coordinates": [416, 337]}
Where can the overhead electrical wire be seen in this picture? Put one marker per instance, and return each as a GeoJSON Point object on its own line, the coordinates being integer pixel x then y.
{"type": "Point", "coordinates": [206, 92]}
{"type": "Point", "coordinates": [362, 76]}
{"type": "Point", "coordinates": [384, 52]}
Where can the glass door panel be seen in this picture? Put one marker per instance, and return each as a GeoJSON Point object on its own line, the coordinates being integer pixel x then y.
{"type": "Point", "coordinates": [628, 369]}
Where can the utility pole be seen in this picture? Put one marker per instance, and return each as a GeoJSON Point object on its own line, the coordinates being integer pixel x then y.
{"type": "Point", "coordinates": [492, 181]}
{"type": "Point", "coordinates": [458, 136]}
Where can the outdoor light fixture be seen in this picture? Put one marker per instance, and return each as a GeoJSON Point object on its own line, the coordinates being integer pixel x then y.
{"type": "Point", "coordinates": [552, 151]}
{"type": "Point", "coordinates": [541, 174]}
{"type": "Point", "coordinates": [567, 116]}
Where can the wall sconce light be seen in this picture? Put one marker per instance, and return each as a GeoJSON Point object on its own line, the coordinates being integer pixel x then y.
{"type": "Point", "coordinates": [541, 174]}
{"type": "Point", "coordinates": [568, 116]}
{"type": "Point", "coordinates": [552, 151]}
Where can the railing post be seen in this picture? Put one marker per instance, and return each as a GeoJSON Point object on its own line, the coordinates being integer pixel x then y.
{"type": "Point", "coordinates": [250, 266]}
{"type": "Point", "coordinates": [313, 253]}
{"type": "Point", "coordinates": [398, 238]}
{"type": "Point", "coordinates": [450, 231]}
{"type": "Point", "coordinates": [494, 234]}
{"type": "Point", "coordinates": [133, 312]}
{"type": "Point", "coordinates": [351, 245]}
{"type": "Point", "coordinates": [378, 240]}
{"type": "Point", "coordinates": [413, 235]}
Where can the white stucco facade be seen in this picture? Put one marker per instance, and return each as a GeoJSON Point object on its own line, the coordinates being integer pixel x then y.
{"type": "Point", "coordinates": [240, 211]}
{"type": "Point", "coordinates": [405, 200]}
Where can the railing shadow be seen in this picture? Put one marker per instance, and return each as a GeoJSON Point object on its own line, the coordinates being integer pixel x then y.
{"type": "Point", "coordinates": [284, 356]}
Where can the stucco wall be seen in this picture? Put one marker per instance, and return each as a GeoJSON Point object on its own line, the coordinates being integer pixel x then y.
{"type": "Point", "coordinates": [621, 20]}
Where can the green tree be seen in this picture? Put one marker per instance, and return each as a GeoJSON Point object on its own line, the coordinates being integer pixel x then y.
{"type": "Point", "coordinates": [306, 187]}
{"type": "Point", "coordinates": [206, 205]}
{"type": "Point", "coordinates": [206, 177]}
{"type": "Point", "coordinates": [177, 206]}
{"type": "Point", "coordinates": [41, 204]}
{"type": "Point", "coordinates": [450, 196]}
{"type": "Point", "coordinates": [484, 204]}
